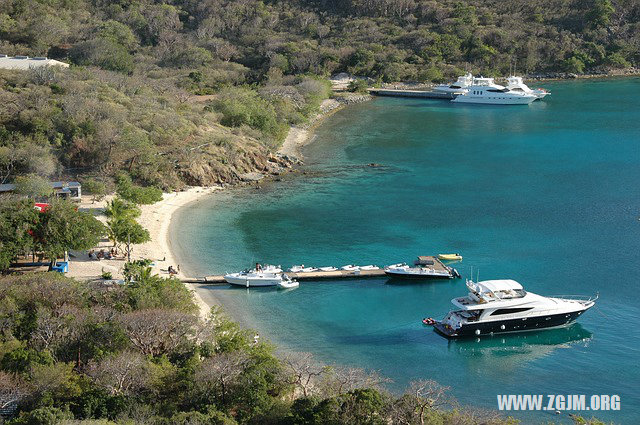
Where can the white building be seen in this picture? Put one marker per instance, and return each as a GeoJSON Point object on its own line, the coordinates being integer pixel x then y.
{"type": "Point", "coordinates": [25, 63]}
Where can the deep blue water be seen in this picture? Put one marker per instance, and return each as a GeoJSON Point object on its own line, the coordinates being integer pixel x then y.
{"type": "Point", "coordinates": [547, 194]}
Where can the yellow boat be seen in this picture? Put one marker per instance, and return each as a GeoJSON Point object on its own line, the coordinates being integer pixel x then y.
{"type": "Point", "coordinates": [450, 257]}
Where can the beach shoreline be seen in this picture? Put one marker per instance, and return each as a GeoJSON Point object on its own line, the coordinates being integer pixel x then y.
{"type": "Point", "coordinates": [157, 219]}
{"type": "Point", "coordinates": [300, 136]}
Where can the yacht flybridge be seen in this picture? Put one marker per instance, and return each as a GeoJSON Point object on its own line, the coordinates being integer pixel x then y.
{"type": "Point", "coordinates": [496, 306]}
{"type": "Point", "coordinates": [486, 91]}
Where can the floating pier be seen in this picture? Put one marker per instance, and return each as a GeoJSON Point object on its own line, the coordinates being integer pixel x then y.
{"type": "Point", "coordinates": [433, 262]}
{"type": "Point", "coordinates": [412, 93]}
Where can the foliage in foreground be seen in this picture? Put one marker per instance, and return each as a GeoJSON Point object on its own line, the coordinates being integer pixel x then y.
{"type": "Point", "coordinates": [139, 353]}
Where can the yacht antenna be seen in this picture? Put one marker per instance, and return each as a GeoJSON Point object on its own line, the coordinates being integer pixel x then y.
{"type": "Point", "coordinates": [478, 275]}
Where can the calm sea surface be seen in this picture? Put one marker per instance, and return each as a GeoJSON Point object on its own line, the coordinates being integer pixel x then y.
{"type": "Point", "coordinates": [547, 194]}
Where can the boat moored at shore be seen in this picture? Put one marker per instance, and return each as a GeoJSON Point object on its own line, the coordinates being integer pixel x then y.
{"type": "Point", "coordinates": [498, 306]}
{"type": "Point", "coordinates": [460, 86]}
{"type": "Point", "coordinates": [486, 91]}
{"type": "Point", "coordinates": [516, 84]}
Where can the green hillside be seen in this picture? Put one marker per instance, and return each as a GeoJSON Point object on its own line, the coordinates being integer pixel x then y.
{"type": "Point", "coordinates": [199, 92]}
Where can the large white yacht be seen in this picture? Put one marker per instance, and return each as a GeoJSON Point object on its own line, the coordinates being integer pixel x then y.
{"type": "Point", "coordinates": [460, 86]}
{"type": "Point", "coordinates": [516, 84]}
{"type": "Point", "coordinates": [486, 91]}
{"type": "Point", "coordinates": [495, 306]}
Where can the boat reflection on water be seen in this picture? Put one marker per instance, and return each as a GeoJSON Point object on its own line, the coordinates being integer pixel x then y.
{"type": "Point", "coordinates": [515, 349]}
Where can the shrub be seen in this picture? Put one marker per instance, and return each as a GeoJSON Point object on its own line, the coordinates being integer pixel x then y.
{"type": "Point", "coordinates": [358, 86]}
{"type": "Point", "coordinates": [137, 194]}
{"type": "Point", "coordinates": [242, 106]}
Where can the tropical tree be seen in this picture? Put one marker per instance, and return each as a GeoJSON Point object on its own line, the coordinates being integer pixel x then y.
{"type": "Point", "coordinates": [62, 227]}
{"type": "Point", "coordinates": [17, 221]}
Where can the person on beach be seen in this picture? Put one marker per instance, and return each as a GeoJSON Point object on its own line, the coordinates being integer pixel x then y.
{"type": "Point", "coordinates": [171, 270]}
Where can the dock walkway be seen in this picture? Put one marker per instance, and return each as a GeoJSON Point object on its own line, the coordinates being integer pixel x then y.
{"type": "Point", "coordinates": [320, 275]}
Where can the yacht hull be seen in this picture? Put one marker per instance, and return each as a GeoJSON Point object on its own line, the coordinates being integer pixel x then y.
{"type": "Point", "coordinates": [516, 100]}
{"type": "Point", "coordinates": [250, 282]}
{"type": "Point", "coordinates": [511, 325]}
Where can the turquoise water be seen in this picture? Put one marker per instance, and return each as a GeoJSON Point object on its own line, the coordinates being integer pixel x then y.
{"type": "Point", "coordinates": [547, 194]}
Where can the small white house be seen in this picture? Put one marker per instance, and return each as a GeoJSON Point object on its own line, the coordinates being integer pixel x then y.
{"type": "Point", "coordinates": [25, 62]}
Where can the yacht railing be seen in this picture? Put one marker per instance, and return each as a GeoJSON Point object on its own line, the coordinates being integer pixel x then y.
{"type": "Point", "coordinates": [586, 298]}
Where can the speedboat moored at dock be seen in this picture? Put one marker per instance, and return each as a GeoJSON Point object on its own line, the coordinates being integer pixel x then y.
{"type": "Point", "coordinates": [450, 257]}
{"type": "Point", "coordinates": [497, 306]}
{"type": "Point", "coordinates": [405, 271]}
{"type": "Point", "coordinates": [250, 278]}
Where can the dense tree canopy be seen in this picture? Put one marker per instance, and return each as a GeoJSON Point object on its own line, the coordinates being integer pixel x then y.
{"type": "Point", "coordinates": [140, 353]}
{"type": "Point", "coordinates": [186, 91]}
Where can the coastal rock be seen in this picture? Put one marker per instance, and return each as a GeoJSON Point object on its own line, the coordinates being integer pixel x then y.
{"type": "Point", "coordinates": [251, 177]}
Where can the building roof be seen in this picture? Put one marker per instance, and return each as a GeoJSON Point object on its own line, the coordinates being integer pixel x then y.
{"type": "Point", "coordinates": [25, 62]}
{"type": "Point", "coordinates": [9, 187]}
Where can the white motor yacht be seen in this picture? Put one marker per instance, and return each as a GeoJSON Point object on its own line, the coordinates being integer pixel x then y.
{"type": "Point", "coordinates": [460, 86]}
{"type": "Point", "coordinates": [254, 278]}
{"type": "Point", "coordinates": [486, 91]}
{"type": "Point", "coordinates": [405, 271]}
{"type": "Point", "coordinates": [516, 84]}
{"type": "Point", "coordinates": [495, 306]}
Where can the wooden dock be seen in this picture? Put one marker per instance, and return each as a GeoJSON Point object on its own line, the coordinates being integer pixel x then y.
{"type": "Point", "coordinates": [412, 93]}
{"type": "Point", "coordinates": [333, 275]}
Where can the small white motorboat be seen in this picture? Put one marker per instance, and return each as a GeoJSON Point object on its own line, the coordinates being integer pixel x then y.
{"type": "Point", "coordinates": [350, 268]}
{"type": "Point", "coordinates": [369, 267]}
{"type": "Point", "coordinates": [288, 283]}
{"type": "Point", "coordinates": [253, 278]}
{"type": "Point", "coordinates": [327, 269]}
{"type": "Point", "coordinates": [302, 269]}
{"type": "Point", "coordinates": [268, 268]}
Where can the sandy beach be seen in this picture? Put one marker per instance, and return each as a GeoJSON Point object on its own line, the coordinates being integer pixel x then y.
{"type": "Point", "coordinates": [157, 219]}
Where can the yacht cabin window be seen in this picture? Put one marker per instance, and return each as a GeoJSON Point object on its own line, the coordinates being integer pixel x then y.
{"type": "Point", "coordinates": [510, 310]}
